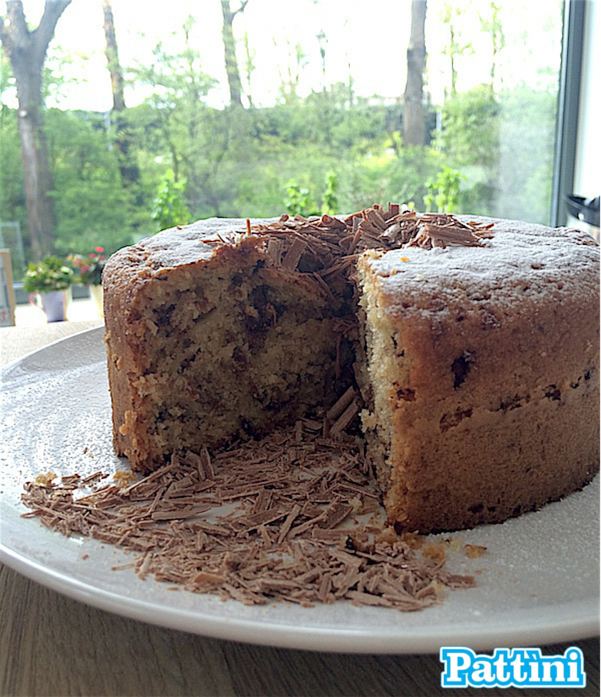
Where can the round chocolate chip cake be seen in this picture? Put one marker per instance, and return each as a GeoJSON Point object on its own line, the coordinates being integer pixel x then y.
{"type": "Point", "coordinates": [466, 351]}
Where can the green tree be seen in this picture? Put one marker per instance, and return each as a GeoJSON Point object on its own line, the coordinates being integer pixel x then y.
{"type": "Point", "coordinates": [128, 167]}
{"type": "Point", "coordinates": [455, 48]}
{"type": "Point", "coordinates": [249, 68]}
{"type": "Point", "coordinates": [290, 73]}
{"type": "Point", "coordinates": [442, 191]}
{"type": "Point", "coordinates": [491, 24]}
{"type": "Point", "coordinates": [470, 128]}
{"type": "Point", "coordinates": [92, 207]}
{"type": "Point", "coordinates": [190, 136]}
{"type": "Point", "coordinates": [469, 140]}
{"type": "Point", "coordinates": [298, 200]}
{"type": "Point", "coordinates": [329, 201]}
{"type": "Point", "coordinates": [13, 205]}
{"type": "Point", "coordinates": [523, 180]}
{"type": "Point", "coordinates": [26, 49]}
{"type": "Point", "coordinates": [170, 203]}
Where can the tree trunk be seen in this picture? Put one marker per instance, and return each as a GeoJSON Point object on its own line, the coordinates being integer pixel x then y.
{"type": "Point", "coordinates": [414, 121]}
{"type": "Point", "coordinates": [34, 154]}
{"type": "Point", "coordinates": [130, 172]}
{"type": "Point", "coordinates": [112, 57]}
{"type": "Point", "coordinates": [453, 49]}
{"type": "Point", "coordinates": [27, 52]}
{"type": "Point", "coordinates": [229, 45]}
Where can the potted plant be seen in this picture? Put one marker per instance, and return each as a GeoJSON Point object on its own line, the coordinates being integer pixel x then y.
{"type": "Point", "coordinates": [89, 273]}
{"type": "Point", "coordinates": [51, 280]}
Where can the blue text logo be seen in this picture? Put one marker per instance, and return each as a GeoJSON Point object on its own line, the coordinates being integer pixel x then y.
{"type": "Point", "coordinates": [511, 668]}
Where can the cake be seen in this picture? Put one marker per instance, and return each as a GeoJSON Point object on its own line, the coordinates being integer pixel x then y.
{"type": "Point", "coordinates": [468, 348]}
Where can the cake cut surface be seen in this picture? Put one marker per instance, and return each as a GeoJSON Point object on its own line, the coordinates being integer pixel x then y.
{"type": "Point", "coordinates": [474, 344]}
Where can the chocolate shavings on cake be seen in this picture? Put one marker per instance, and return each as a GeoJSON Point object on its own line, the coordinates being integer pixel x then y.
{"type": "Point", "coordinates": [323, 245]}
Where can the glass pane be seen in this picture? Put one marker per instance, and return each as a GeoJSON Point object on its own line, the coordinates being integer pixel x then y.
{"type": "Point", "coordinates": [495, 69]}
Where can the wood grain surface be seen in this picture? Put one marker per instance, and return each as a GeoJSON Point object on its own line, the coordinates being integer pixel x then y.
{"type": "Point", "coordinates": [53, 645]}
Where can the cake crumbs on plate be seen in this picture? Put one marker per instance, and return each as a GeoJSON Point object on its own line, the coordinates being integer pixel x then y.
{"type": "Point", "coordinates": [124, 478]}
{"type": "Point", "coordinates": [46, 479]}
{"type": "Point", "coordinates": [474, 551]}
{"type": "Point", "coordinates": [254, 524]}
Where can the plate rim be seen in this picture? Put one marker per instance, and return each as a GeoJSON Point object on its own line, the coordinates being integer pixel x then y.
{"type": "Point", "coordinates": [51, 345]}
{"type": "Point", "coordinates": [292, 636]}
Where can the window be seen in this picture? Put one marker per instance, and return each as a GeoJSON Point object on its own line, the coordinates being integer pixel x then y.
{"type": "Point", "coordinates": [314, 106]}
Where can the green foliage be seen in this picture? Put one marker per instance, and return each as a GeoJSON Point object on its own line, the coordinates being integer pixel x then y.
{"type": "Point", "coordinates": [170, 204]}
{"type": "Point", "coordinates": [452, 15]}
{"type": "Point", "coordinates": [503, 144]}
{"type": "Point", "coordinates": [470, 127]}
{"type": "Point", "coordinates": [177, 126]}
{"type": "Point", "coordinates": [491, 24]}
{"type": "Point", "coordinates": [174, 78]}
{"type": "Point", "coordinates": [387, 176]}
{"type": "Point", "coordinates": [443, 190]}
{"type": "Point", "coordinates": [525, 156]}
{"type": "Point", "coordinates": [298, 200]}
{"type": "Point", "coordinates": [62, 70]}
{"type": "Point", "coordinates": [48, 275]}
{"type": "Point", "coordinates": [12, 188]}
{"type": "Point", "coordinates": [329, 201]}
{"type": "Point", "coordinates": [91, 205]}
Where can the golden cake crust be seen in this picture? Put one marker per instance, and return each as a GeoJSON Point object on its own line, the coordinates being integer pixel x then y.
{"type": "Point", "coordinates": [498, 410]}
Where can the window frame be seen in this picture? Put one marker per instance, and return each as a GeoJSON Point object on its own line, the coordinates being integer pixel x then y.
{"type": "Point", "coordinates": [568, 107]}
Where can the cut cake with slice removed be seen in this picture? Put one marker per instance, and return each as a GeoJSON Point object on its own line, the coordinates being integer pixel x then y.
{"type": "Point", "coordinates": [478, 365]}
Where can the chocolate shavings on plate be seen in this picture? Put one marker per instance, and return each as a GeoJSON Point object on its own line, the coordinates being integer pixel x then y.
{"type": "Point", "coordinates": [281, 519]}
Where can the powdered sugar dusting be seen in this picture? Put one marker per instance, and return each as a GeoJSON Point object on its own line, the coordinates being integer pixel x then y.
{"type": "Point", "coordinates": [187, 244]}
{"type": "Point", "coordinates": [519, 258]}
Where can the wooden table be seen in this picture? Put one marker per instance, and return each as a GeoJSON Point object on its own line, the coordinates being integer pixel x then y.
{"type": "Point", "coordinates": [52, 645]}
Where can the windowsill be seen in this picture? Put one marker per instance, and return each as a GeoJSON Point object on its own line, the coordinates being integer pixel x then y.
{"type": "Point", "coordinates": [80, 310]}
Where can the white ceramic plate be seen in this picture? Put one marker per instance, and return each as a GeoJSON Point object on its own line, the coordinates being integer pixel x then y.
{"type": "Point", "coordinates": [540, 584]}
